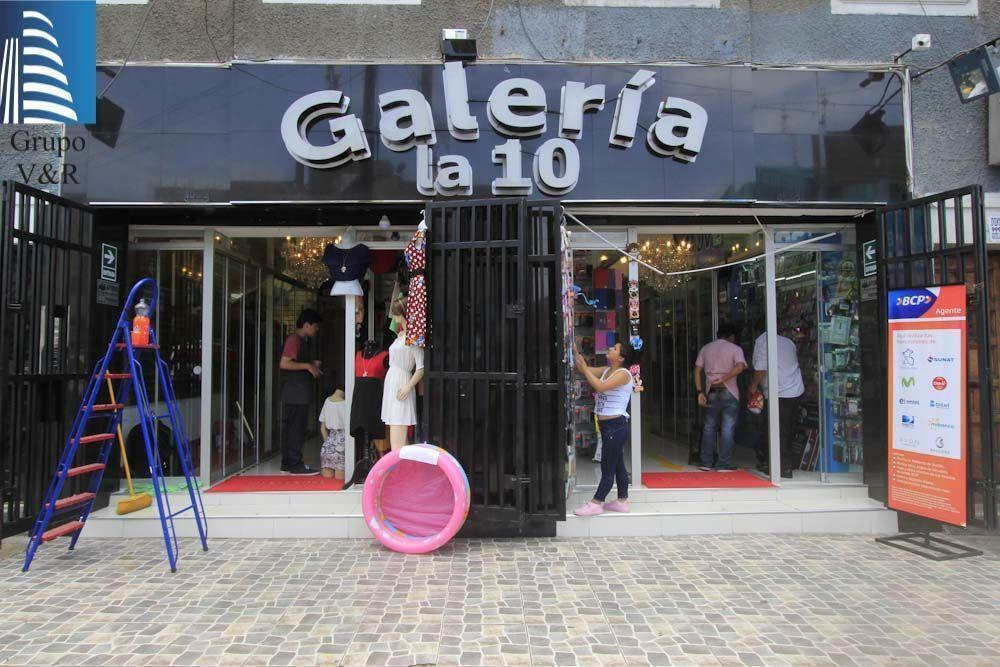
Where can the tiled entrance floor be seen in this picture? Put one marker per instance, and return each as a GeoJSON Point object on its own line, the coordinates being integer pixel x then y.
{"type": "Point", "coordinates": [699, 600]}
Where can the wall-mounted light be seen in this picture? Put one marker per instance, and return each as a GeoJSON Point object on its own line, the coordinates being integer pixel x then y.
{"type": "Point", "coordinates": [974, 75]}
{"type": "Point", "coordinates": [456, 45]}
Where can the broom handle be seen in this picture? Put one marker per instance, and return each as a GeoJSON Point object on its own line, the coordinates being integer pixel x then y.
{"type": "Point", "coordinates": [121, 444]}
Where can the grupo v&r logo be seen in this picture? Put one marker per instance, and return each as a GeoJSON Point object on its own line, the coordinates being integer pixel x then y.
{"type": "Point", "coordinates": [47, 71]}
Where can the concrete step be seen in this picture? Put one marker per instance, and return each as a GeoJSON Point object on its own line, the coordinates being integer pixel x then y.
{"type": "Point", "coordinates": [784, 492]}
{"type": "Point", "coordinates": [338, 514]}
{"type": "Point", "coordinates": [737, 516]}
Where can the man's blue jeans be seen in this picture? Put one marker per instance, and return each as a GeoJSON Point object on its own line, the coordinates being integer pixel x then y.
{"type": "Point", "coordinates": [721, 414]}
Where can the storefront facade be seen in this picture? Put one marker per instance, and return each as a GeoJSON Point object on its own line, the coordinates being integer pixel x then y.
{"type": "Point", "coordinates": [225, 182]}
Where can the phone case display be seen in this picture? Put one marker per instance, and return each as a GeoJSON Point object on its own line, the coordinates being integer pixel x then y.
{"type": "Point", "coordinates": [568, 307]}
{"type": "Point", "coordinates": [596, 329]}
{"type": "Point", "coordinates": [840, 364]}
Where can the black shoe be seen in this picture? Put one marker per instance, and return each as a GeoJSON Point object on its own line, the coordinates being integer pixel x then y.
{"type": "Point", "coordinates": [727, 469]}
{"type": "Point", "coordinates": [704, 469]}
{"type": "Point", "coordinates": [787, 474]}
{"type": "Point", "coordinates": [302, 470]}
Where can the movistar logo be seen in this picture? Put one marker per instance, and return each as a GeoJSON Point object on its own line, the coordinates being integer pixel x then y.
{"type": "Point", "coordinates": [909, 381]}
{"type": "Point", "coordinates": [48, 61]}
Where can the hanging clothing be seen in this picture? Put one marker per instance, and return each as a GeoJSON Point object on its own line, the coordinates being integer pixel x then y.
{"type": "Point", "coordinates": [347, 266]}
{"type": "Point", "coordinates": [366, 405]}
{"type": "Point", "coordinates": [403, 360]}
{"type": "Point", "coordinates": [383, 261]}
{"type": "Point", "coordinates": [416, 299]}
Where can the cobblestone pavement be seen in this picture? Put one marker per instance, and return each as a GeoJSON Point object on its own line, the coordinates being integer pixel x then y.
{"type": "Point", "coordinates": [730, 600]}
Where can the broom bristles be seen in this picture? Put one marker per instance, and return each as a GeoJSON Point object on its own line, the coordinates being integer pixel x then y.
{"type": "Point", "coordinates": [134, 504]}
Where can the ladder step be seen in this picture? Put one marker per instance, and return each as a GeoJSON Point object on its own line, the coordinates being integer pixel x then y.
{"type": "Point", "coordinates": [151, 346]}
{"type": "Point", "coordinates": [181, 511]}
{"type": "Point", "coordinates": [65, 529]}
{"type": "Point", "coordinates": [83, 470]}
{"type": "Point", "coordinates": [100, 437]}
{"type": "Point", "coordinates": [118, 376]}
{"type": "Point", "coordinates": [105, 407]}
{"type": "Point", "coordinates": [72, 501]}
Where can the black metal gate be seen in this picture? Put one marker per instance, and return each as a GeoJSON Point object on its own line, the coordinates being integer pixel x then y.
{"type": "Point", "coordinates": [47, 279]}
{"type": "Point", "coordinates": [494, 380]}
{"type": "Point", "coordinates": [939, 240]}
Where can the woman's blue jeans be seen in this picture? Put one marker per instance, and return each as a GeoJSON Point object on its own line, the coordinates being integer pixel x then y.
{"type": "Point", "coordinates": [614, 437]}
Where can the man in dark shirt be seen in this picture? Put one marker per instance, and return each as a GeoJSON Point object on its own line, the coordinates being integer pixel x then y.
{"type": "Point", "coordinates": [296, 391]}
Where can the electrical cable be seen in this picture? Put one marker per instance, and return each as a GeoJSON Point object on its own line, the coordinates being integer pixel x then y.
{"type": "Point", "coordinates": [208, 35]}
{"type": "Point", "coordinates": [128, 55]}
{"type": "Point", "coordinates": [784, 248]}
{"type": "Point", "coordinates": [927, 70]}
{"type": "Point", "coordinates": [486, 21]}
{"type": "Point", "coordinates": [527, 34]}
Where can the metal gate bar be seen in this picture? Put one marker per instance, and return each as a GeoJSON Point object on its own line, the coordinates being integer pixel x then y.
{"type": "Point", "coordinates": [911, 257]}
{"type": "Point", "coordinates": [493, 382]}
{"type": "Point", "coordinates": [46, 270]}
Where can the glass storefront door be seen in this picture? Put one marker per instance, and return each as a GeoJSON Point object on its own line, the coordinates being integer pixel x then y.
{"type": "Point", "coordinates": [178, 274]}
{"type": "Point", "coordinates": [238, 330]}
{"type": "Point", "coordinates": [817, 304]}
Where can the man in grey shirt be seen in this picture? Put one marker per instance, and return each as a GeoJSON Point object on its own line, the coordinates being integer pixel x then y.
{"type": "Point", "coordinates": [790, 387]}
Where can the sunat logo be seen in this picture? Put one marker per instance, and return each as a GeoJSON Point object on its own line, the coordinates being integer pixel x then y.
{"type": "Point", "coordinates": [940, 360]}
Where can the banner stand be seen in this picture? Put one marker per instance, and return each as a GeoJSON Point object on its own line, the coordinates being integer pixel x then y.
{"type": "Point", "coordinates": [930, 547]}
{"type": "Point", "coordinates": [927, 422]}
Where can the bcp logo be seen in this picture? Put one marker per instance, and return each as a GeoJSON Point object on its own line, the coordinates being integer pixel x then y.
{"type": "Point", "coordinates": [49, 60]}
{"type": "Point", "coordinates": [910, 304]}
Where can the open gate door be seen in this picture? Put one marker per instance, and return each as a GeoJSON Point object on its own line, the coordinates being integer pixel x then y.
{"type": "Point", "coordinates": [940, 240]}
{"type": "Point", "coordinates": [494, 390]}
{"type": "Point", "coordinates": [47, 282]}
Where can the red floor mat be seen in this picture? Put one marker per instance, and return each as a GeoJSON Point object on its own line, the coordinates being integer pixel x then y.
{"type": "Point", "coordinates": [740, 479]}
{"type": "Point", "coordinates": [259, 483]}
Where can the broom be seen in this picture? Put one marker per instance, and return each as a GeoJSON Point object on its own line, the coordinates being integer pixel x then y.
{"type": "Point", "coordinates": [134, 502]}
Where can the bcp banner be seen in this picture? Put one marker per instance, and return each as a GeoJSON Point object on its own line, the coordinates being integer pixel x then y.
{"type": "Point", "coordinates": [927, 394]}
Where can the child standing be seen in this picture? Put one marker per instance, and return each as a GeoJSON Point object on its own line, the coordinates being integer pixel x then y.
{"type": "Point", "coordinates": [332, 423]}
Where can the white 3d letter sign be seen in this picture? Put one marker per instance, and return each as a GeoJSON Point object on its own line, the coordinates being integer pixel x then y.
{"type": "Point", "coordinates": [349, 141]}
{"type": "Point", "coordinates": [679, 130]}
{"type": "Point", "coordinates": [516, 108]}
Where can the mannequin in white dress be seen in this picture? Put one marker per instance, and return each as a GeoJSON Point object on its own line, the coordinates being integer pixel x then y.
{"type": "Point", "coordinates": [406, 369]}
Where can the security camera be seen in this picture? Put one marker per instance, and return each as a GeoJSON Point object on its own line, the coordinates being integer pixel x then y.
{"type": "Point", "coordinates": [921, 42]}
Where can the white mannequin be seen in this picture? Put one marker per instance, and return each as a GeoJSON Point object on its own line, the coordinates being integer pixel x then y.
{"type": "Point", "coordinates": [348, 239]}
{"type": "Point", "coordinates": [397, 432]}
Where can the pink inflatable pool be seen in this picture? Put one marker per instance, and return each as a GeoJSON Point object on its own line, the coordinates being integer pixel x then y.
{"type": "Point", "coordinates": [415, 499]}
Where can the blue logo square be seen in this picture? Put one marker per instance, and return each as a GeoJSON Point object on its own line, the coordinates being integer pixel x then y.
{"type": "Point", "coordinates": [48, 64]}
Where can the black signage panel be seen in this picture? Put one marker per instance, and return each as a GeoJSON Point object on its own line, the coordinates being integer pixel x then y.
{"type": "Point", "coordinates": [416, 132]}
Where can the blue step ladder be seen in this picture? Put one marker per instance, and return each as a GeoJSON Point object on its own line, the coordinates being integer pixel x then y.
{"type": "Point", "coordinates": [95, 426]}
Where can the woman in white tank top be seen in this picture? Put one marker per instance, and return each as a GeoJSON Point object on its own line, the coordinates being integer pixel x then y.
{"type": "Point", "coordinates": [612, 385]}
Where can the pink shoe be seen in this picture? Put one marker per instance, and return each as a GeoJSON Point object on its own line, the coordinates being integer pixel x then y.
{"type": "Point", "coordinates": [617, 506]}
{"type": "Point", "coordinates": [588, 509]}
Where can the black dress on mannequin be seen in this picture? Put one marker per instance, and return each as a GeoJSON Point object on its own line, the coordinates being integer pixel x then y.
{"type": "Point", "coordinates": [370, 367]}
